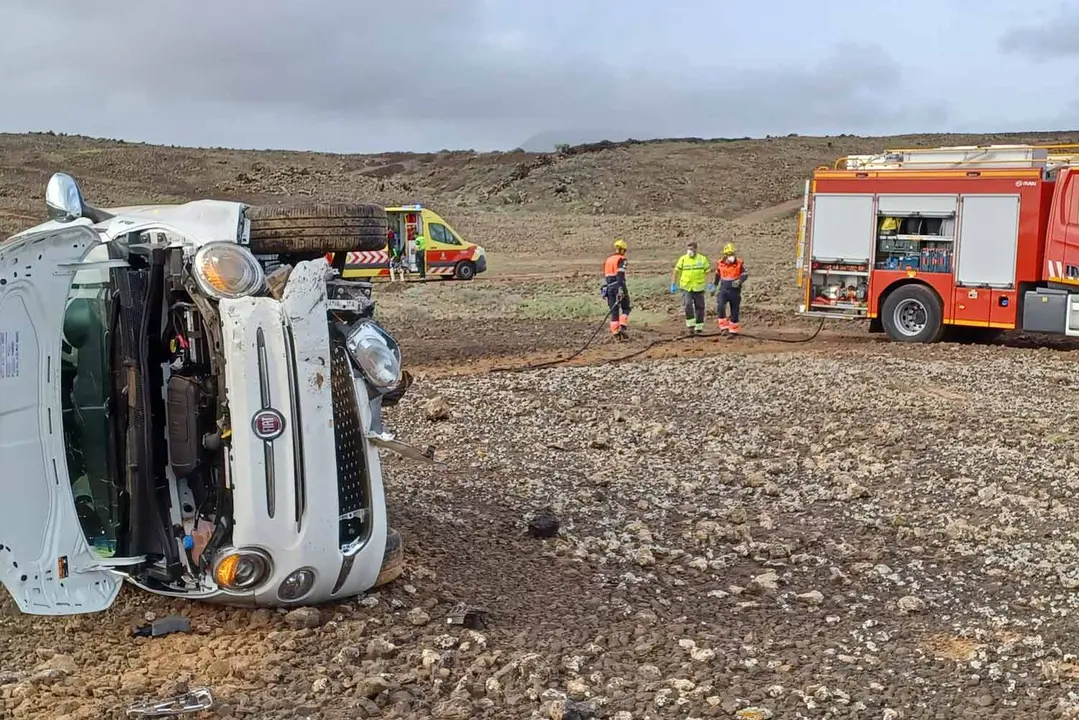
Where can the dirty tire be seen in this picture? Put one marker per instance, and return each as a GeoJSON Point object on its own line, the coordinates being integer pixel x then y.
{"type": "Point", "coordinates": [913, 314]}
{"type": "Point", "coordinates": [466, 270]}
{"type": "Point", "coordinates": [316, 228]}
{"type": "Point", "coordinates": [393, 558]}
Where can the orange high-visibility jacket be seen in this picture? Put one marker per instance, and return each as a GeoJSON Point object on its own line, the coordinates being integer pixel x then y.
{"type": "Point", "coordinates": [727, 272]}
{"type": "Point", "coordinates": [614, 269]}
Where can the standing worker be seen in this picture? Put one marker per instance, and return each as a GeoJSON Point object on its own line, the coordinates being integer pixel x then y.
{"type": "Point", "coordinates": [615, 290]}
{"type": "Point", "coordinates": [730, 274]}
{"type": "Point", "coordinates": [421, 256]}
{"type": "Point", "coordinates": [690, 275]}
{"type": "Point", "coordinates": [395, 255]}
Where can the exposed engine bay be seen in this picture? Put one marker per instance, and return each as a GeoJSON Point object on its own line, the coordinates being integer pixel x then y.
{"type": "Point", "coordinates": [172, 444]}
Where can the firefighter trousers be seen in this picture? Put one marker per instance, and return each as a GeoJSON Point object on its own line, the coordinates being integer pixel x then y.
{"type": "Point", "coordinates": [733, 297]}
{"type": "Point", "coordinates": [619, 306]}
{"type": "Point", "coordinates": [693, 302]}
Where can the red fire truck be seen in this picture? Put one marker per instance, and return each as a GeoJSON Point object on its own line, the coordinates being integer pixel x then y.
{"type": "Point", "coordinates": [968, 241]}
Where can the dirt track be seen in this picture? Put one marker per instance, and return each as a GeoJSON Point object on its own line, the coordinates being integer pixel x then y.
{"type": "Point", "coordinates": [750, 528]}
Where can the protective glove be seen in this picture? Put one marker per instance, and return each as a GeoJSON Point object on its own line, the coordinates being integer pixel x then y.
{"type": "Point", "coordinates": [674, 288]}
{"type": "Point", "coordinates": [736, 283]}
{"type": "Point", "coordinates": [711, 289]}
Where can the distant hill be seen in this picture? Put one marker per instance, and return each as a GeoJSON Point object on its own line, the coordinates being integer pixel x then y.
{"type": "Point", "coordinates": [550, 140]}
{"type": "Point", "coordinates": [718, 178]}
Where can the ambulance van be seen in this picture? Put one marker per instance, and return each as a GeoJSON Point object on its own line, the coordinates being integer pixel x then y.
{"type": "Point", "coordinates": [447, 254]}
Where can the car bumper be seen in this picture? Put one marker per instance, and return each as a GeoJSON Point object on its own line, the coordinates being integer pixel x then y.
{"type": "Point", "coordinates": [481, 264]}
{"type": "Point", "coordinates": [301, 496]}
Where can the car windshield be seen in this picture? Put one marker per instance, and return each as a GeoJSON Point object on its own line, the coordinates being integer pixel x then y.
{"type": "Point", "coordinates": [86, 389]}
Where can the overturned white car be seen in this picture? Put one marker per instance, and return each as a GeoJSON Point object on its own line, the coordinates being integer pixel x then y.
{"type": "Point", "coordinates": [172, 416]}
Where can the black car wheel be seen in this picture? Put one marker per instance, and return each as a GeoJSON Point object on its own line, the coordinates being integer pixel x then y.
{"type": "Point", "coordinates": [466, 270]}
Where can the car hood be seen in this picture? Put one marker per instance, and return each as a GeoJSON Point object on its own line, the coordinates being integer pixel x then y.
{"type": "Point", "coordinates": [45, 562]}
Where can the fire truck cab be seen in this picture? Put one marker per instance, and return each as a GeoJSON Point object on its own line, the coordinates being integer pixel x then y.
{"type": "Point", "coordinates": [971, 241]}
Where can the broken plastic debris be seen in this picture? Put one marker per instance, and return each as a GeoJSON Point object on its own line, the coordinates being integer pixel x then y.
{"type": "Point", "coordinates": [190, 702]}
{"type": "Point", "coordinates": [164, 626]}
{"type": "Point", "coordinates": [389, 442]}
{"type": "Point", "coordinates": [473, 618]}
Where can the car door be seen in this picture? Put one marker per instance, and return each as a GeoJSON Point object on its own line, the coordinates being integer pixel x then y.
{"type": "Point", "coordinates": [45, 562]}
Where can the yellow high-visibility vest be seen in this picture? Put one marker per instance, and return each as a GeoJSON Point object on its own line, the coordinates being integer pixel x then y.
{"type": "Point", "coordinates": [693, 272]}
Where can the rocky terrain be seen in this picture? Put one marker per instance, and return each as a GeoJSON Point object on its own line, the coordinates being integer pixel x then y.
{"type": "Point", "coordinates": [747, 529]}
{"type": "Point", "coordinates": [875, 532]}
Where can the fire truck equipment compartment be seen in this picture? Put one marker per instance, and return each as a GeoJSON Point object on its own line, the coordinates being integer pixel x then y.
{"type": "Point", "coordinates": [1045, 310]}
{"type": "Point", "coordinates": [892, 243]}
{"type": "Point", "coordinates": [988, 235]}
{"type": "Point", "coordinates": [844, 226]}
{"type": "Point", "coordinates": [917, 205]}
{"type": "Point", "coordinates": [970, 236]}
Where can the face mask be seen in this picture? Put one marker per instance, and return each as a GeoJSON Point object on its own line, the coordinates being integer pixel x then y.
{"type": "Point", "coordinates": [691, 252]}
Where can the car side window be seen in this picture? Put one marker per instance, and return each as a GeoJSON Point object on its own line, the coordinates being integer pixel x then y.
{"type": "Point", "coordinates": [440, 233]}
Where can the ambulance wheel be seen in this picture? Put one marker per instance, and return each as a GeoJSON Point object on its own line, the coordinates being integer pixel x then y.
{"type": "Point", "coordinates": [913, 314]}
{"type": "Point", "coordinates": [466, 270]}
{"type": "Point", "coordinates": [316, 228]}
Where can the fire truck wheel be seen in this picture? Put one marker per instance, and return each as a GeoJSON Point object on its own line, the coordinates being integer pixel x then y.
{"type": "Point", "coordinates": [913, 313]}
{"type": "Point", "coordinates": [316, 228]}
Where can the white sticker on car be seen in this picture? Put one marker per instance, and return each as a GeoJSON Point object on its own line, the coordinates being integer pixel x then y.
{"type": "Point", "coordinates": [9, 354]}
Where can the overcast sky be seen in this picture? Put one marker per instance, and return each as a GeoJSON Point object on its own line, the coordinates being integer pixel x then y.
{"type": "Point", "coordinates": [370, 75]}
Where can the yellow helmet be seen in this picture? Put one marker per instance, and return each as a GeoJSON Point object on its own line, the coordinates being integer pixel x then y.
{"type": "Point", "coordinates": [728, 249]}
{"type": "Point", "coordinates": [620, 245]}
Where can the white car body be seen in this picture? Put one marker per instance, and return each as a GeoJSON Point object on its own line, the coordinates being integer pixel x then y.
{"type": "Point", "coordinates": [284, 488]}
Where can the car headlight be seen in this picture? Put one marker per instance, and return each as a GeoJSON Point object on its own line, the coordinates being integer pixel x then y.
{"type": "Point", "coordinates": [296, 585]}
{"type": "Point", "coordinates": [227, 270]}
{"type": "Point", "coordinates": [240, 570]}
{"type": "Point", "coordinates": [377, 354]}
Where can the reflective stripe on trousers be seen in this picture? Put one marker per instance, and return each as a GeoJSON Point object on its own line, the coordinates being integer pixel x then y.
{"type": "Point", "coordinates": [693, 302]}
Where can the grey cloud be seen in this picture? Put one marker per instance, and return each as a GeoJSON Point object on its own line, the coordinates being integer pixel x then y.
{"type": "Point", "coordinates": [1055, 37]}
{"type": "Point", "coordinates": [356, 75]}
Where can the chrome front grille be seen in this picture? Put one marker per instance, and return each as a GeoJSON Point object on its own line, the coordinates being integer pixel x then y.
{"type": "Point", "coordinates": [353, 484]}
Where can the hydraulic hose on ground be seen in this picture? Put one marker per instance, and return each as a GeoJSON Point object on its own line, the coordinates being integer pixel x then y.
{"type": "Point", "coordinates": [655, 343]}
{"type": "Point", "coordinates": [661, 341]}
{"type": "Point", "coordinates": [559, 361]}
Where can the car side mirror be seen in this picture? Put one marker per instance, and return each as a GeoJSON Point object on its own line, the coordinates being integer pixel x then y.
{"type": "Point", "coordinates": [63, 199]}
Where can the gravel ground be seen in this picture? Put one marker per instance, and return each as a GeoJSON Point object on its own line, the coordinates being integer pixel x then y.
{"type": "Point", "coordinates": [878, 532]}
